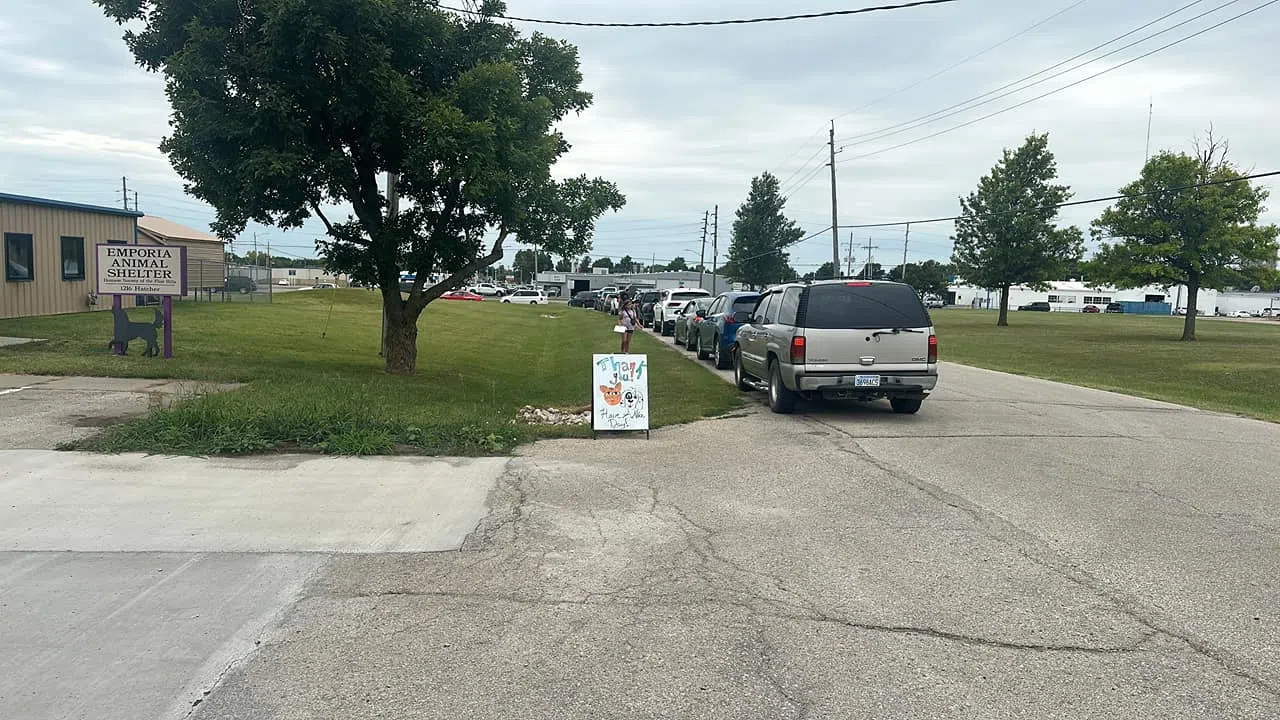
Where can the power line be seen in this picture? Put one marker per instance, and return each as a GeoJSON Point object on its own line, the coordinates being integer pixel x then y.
{"type": "Point", "coordinates": [706, 23]}
{"type": "Point", "coordinates": [1024, 103]}
{"type": "Point", "coordinates": [973, 102]}
{"type": "Point", "coordinates": [967, 60]}
{"type": "Point", "coordinates": [1076, 203]}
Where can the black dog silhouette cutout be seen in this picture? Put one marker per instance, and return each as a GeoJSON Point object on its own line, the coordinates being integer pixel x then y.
{"type": "Point", "coordinates": [127, 330]}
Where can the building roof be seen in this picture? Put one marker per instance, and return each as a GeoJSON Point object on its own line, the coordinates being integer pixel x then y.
{"type": "Point", "coordinates": [169, 230]}
{"type": "Point", "coordinates": [61, 205]}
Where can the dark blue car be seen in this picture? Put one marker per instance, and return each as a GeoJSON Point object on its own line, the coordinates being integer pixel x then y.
{"type": "Point", "coordinates": [719, 329]}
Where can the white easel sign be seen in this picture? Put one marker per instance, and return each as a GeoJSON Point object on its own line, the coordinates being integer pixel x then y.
{"type": "Point", "coordinates": [620, 393]}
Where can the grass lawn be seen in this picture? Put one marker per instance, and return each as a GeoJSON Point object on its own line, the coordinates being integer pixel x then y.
{"type": "Point", "coordinates": [1235, 366]}
{"type": "Point", "coordinates": [315, 381]}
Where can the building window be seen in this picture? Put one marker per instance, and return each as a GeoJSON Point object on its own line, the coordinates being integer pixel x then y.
{"type": "Point", "coordinates": [117, 242]}
{"type": "Point", "coordinates": [19, 258]}
{"type": "Point", "coordinates": [293, 273]}
{"type": "Point", "coordinates": [72, 258]}
{"type": "Point", "coordinates": [147, 300]}
{"type": "Point", "coordinates": [1097, 300]}
{"type": "Point", "coordinates": [1057, 299]}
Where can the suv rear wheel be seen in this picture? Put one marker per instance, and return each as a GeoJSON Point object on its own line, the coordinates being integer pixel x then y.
{"type": "Point", "coordinates": [781, 400]}
{"type": "Point", "coordinates": [739, 377]}
{"type": "Point", "coordinates": [905, 406]}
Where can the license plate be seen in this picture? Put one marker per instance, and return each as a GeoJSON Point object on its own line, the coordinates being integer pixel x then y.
{"type": "Point", "coordinates": [866, 381]}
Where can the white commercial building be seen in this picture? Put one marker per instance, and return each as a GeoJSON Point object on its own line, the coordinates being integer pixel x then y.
{"type": "Point", "coordinates": [1074, 296]}
{"type": "Point", "coordinates": [1254, 303]}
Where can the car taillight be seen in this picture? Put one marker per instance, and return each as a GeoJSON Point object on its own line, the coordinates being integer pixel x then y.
{"type": "Point", "coordinates": [728, 318]}
{"type": "Point", "coordinates": [797, 351]}
{"type": "Point", "coordinates": [933, 349]}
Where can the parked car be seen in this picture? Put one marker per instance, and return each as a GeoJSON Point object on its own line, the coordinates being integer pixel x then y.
{"type": "Point", "coordinates": [1091, 309]}
{"type": "Point", "coordinates": [1036, 307]}
{"type": "Point", "coordinates": [583, 299]}
{"type": "Point", "coordinates": [605, 299]}
{"type": "Point", "coordinates": [283, 282]}
{"type": "Point", "coordinates": [551, 290]}
{"type": "Point", "coordinates": [669, 303]}
{"type": "Point", "coordinates": [1240, 314]}
{"type": "Point", "coordinates": [687, 320]}
{"type": "Point", "coordinates": [240, 284]}
{"type": "Point", "coordinates": [934, 302]}
{"type": "Point", "coordinates": [839, 339]}
{"type": "Point", "coordinates": [647, 300]}
{"type": "Point", "coordinates": [718, 331]}
{"type": "Point", "coordinates": [487, 290]}
{"type": "Point", "coordinates": [526, 297]}
{"type": "Point", "coordinates": [1114, 307]}
{"type": "Point", "coordinates": [325, 286]}
{"type": "Point", "coordinates": [462, 295]}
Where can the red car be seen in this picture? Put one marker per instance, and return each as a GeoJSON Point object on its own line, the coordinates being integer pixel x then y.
{"type": "Point", "coordinates": [462, 295]}
{"type": "Point", "coordinates": [1091, 309]}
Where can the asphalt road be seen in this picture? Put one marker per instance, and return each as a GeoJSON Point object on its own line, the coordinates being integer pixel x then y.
{"type": "Point", "coordinates": [1019, 549]}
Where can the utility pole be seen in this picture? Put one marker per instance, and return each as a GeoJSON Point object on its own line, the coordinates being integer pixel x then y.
{"type": "Point", "coordinates": [866, 271]}
{"type": "Point", "coordinates": [905, 239]}
{"type": "Point", "coordinates": [702, 255]}
{"type": "Point", "coordinates": [715, 250]}
{"type": "Point", "coordinates": [835, 216]}
{"type": "Point", "coordinates": [1151, 112]}
{"type": "Point", "coordinates": [135, 201]}
{"type": "Point", "coordinates": [849, 268]}
{"type": "Point", "coordinates": [124, 191]}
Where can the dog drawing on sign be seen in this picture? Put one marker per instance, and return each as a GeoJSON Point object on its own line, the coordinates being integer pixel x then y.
{"type": "Point", "coordinates": [127, 331]}
{"type": "Point", "coordinates": [612, 395]}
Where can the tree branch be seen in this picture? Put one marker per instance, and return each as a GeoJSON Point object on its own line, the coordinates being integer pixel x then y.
{"type": "Point", "coordinates": [315, 207]}
{"type": "Point", "coordinates": [454, 280]}
{"type": "Point", "coordinates": [442, 225]}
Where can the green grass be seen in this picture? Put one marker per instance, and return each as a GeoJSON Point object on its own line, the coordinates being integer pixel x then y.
{"type": "Point", "coordinates": [1234, 367]}
{"type": "Point", "coordinates": [314, 380]}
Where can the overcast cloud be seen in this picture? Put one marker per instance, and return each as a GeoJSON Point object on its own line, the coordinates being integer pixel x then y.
{"type": "Point", "coordinates": [685, 117]}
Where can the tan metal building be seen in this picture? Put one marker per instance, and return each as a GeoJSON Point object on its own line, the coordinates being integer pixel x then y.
{"type": "Point", "coordinates": [48, 253]}
{"type": "Point", "coordinates": [206, 255]}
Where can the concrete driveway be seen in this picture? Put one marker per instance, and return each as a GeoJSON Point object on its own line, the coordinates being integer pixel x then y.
{"type": "Point", "coordinates": [1019, 549]}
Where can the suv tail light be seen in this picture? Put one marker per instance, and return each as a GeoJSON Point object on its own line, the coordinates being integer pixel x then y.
{"type": "Point", "coordinates": [933, 349]}
{"type": "Point", "coordinates": [728, 318]}
{"type": "Point", "coordinates": [797, 350]}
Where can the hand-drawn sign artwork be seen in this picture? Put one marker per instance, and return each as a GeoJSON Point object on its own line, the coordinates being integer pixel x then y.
{"type": "Point", "coordinates": [127, 330]}
{"type": "Point", "coordinates": [620, 393]}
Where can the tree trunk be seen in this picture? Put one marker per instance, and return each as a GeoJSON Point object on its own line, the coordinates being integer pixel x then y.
{"type": "Point", "coordinates": [402, 335]}
{"type": "Point", "coordinates": [1193, 295]}
{"type": "Point", "coordinates": [1004, 308]}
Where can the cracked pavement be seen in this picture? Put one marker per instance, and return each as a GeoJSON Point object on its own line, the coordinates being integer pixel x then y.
{"type": "Point", "coordinates": [1020, 549]}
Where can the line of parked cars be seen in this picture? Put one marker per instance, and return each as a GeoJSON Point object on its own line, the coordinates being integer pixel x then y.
{"type": "Point", "coordinates": [835, 339]}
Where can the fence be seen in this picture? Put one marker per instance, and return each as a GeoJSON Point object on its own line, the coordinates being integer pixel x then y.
{"type": "Point", "coordinates": [210, 281]}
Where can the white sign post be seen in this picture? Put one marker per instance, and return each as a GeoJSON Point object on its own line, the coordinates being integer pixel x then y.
{"type": "Point", "coordinates": [141, 270]}
{"type": "Point", "coordinates": [620, 393]}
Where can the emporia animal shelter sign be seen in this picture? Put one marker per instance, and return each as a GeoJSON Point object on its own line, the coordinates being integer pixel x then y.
{"type": "Point", "coordinates": [142, 271]}
{"type": "Point", "coordinates": [620, 393]}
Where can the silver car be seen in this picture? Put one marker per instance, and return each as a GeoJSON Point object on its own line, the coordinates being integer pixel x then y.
{"type": "Point", "coordinates": [839, 339]}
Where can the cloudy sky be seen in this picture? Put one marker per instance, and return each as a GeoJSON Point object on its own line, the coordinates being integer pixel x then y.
{"type": "Point", "coordinates": [685, 117]}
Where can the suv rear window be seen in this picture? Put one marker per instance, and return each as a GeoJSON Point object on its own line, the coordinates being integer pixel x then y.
{"type": "Point", "coordinates": [687, 296]}
{"type": "Point", "coordinates": [746, 302]}
{"type": "Point", "coordinates": [864, 307]}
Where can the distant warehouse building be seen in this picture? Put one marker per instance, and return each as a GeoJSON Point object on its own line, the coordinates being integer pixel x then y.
{"type": "Point", "coordinates": [50, 264]}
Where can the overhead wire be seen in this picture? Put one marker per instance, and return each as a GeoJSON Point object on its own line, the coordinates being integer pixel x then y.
{"type": "Point", "coordinates": [707, 23]}
{"type": "Point", "coordinates": [1065, 87]}
{"type": "Point", "coordinates": [1012, 89]}
{"type": "Point", "coordinates": [966, 60]}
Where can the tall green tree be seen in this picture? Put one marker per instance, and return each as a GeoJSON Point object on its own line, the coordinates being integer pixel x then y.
{"type": "Point", "coordinates": [584, 265]}
{"type": "Point", "coordinates": [285, 109]}
{"type": "Point", "coordinates": [761, 232]}
{"type": "Point", "coordinates": [564, 265]}
{"type": "Point", "coordinates": [524, 266]}
{"type": "Point", "coordinates": [626, 265]}
{"type": "Point", "coordinates": [873, 271]}
{"type": "Point", "coordinates": [928, 278]}
{"type": "Point", "coordinates": [1174, 228]}
{"type": "Point", "coordinates": [604, 262]}
{"type": "Point", "coordinates": [677, 263]}
{"type": "Point", "coordinates": [826, 271]}
{"type": "Point", "coordinates": [1006, 234]}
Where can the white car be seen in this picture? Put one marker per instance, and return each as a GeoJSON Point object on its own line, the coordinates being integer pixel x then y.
{"type": "Point", "coordinates": [669, 305]}
{"type": "Point", "coordinates": [284, 283]}
{"type": "Point", "coordinates": [526, 297]}
{"type": "Point", "coordinates": [488, 290]}
{"type": "Point", "coordinates": [1240, 314]}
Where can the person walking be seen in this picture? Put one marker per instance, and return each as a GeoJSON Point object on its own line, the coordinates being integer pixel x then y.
{"type": "Point", "coordinates": [628, 318]}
